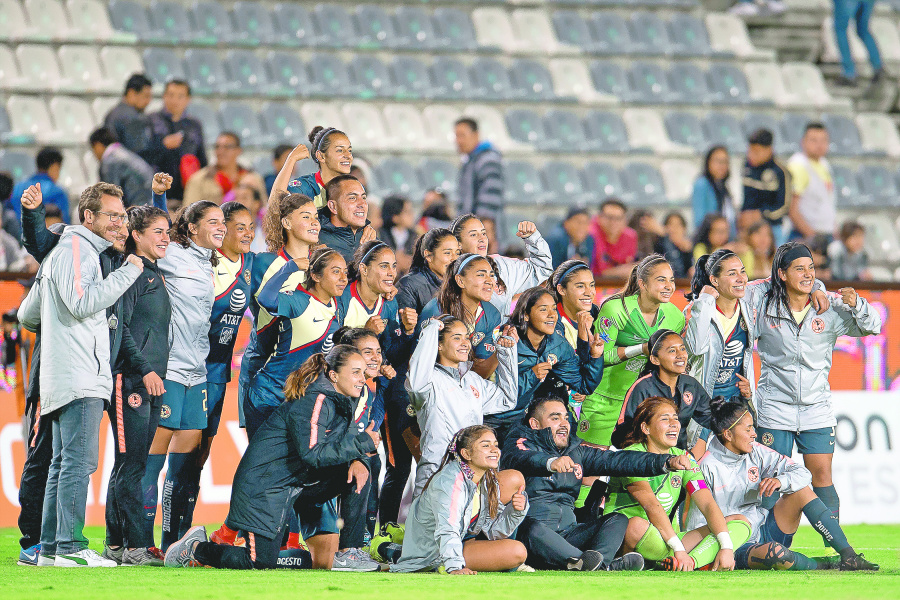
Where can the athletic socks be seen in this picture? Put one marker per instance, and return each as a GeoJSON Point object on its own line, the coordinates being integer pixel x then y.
{"type": "Point", "coordinates": [652, 546]}
{"type": "Point", "coordinates": [829, 496]}
{"type": "Point", "coordinates": [801, 562]}
{"type": "Point", "coordinates": [705, 552]}
{"type": "Point", "coordinates": [173, 496]}
{"type": "Point", "coordinates": [824, 521]}
{"type": "Point", "coordinates": [191, 491]}
{"type": "Point", "coordinates": [150, 486]}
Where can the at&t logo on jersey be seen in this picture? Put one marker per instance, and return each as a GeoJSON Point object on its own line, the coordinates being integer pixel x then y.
{"type": "Point", "coordinates": [328, 344]}
{"type": "Point", "coordinates": [238, 300]}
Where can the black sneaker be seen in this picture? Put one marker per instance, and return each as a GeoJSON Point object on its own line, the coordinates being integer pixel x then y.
{"type": "Point", "coordinates": [857, 563]}
{"type": "Point", "coordinates": [628, 562]}
{"type": "Point", "coordinates": [590, 560]}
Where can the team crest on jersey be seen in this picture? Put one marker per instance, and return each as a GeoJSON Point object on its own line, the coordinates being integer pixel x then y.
{"type": "Point", "coordinates": [552, 359]}
{"type": "Point", "coordinates": [635, 365]}
{"type": "Point", "coordinates": [134, 400]}
{"type": "Point", "coordinates": [410, 410]}
{"type": "Point", "coordinates": [818, 325]}
{"type": "Point", "coordinates": [768, 439]}
{"type": "Point", "coordinates": [294, 183]}
{"type": "Point", "coordinates": [474, 391]}
{"type": "Point", "coordinates": [247, 276]}
{"type": "Point", "coordinates": [605, 323]}
{"type": "Point", "coordinates": [165, 412]}
{"type": "Point", "coordinates": [397, 332]}
{"type": "Point", "coordinates": [675, 480]}
{"type": "Point", "coordinates": [687, 398]}
{"type": "Point", "coordinates": [753, 474]}
{"type": "Point", "coordinates": [477, 337]}
{"type": "Point", "coordinates": [584, 426]}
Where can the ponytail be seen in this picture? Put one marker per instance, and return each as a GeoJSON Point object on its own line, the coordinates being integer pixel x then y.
{"type": "Point", "coordinates": [427, 243]}
{"type": "Point", "coordinates": [281, 206]}
{"type": "Point", "coordinates": [191, 214]}
{"type": "Point", "coordinates": [640, 272]}
{"type": "Point", "coordinates": [708, 265]}
{"type": "Point", "coordinates": [466, 438]}
{"type": "Point", "coordinates": [139, 219]}
{"type": "Point", "coordinates": [297, 382]}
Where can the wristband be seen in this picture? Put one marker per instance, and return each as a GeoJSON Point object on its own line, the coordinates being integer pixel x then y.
{"type": "Point", "coordinates": [632, 351]}
{"type": "Point", "coordinates": [675, 544]}
{"type": "Point", "coordinates": [724, 541]}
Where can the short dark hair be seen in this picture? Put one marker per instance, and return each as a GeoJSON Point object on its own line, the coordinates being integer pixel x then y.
{"type": "Point", "coordinates": [180, 82]}
{"type": "Point", "coordinates": [815, 125]}
{"type": "Point", "coordinates": [613, 202]}
{"type": "Point", "coordinates": [280, 149]}
{"type": "Point", "coordinates": [761, 137]}
{"type": "Point", "coordinates": [6, 186]}
{"type": "Point", "coordinates": [232, 135]}
{"type": "Point", "coordinates": [333, 187]}
{"type": "Point", "coordinates": [47, 157]}
{"type": "Point", "coordinates": [538, 403]}
{"type": "Point", "coordinates": [102, 135]}
{"type": "Point", "coordinates": [849, 228]}
{"type": "Point", "coordinates": [391, 207]}
{"type": "Point", "coordinates": [468, 121]}
{"type": "Point", "coordinates": [52, 210]}
{"type": "Point", "coordinates": [137, 83]}
{"type": "Point", "coordinates": [576, 211]}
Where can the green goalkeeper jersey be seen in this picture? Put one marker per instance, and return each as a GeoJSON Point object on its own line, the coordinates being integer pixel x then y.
{"type": "Point", "coordinates": [666, 487]}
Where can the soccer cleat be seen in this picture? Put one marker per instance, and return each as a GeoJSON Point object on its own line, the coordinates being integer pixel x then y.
{"type": "Point", "coordinates": [143, 557]}
{"type": "Point", "coordinates": [114, 555]}
{"type": "Point", "coordinates": [83, 558]}
{"type": "Point", "coordinates": [375, 545]}
{"type": "Point", "coordinates": [857, 563]}
{"type": "Point", "coordinates": [46, 560]}
{"type": "Point", "coordinates": [181, 553]}
{"type": "Point", "coordinates": [590, 560]}
{"type": "Point", "coordinates": [394, 531]}
{"type": "Point", "coordinates": [354, 560]}
{"type": "Point", "coordinates": [28, 557]}
{"type": "Point", "coordinates": [523, 568]}
{"type": "Point", "coordinates": [670, 563]}
{"type": "Point", "coordinates": [631, 561]}
{"type": "Point", "coordinates": [224, 536]}
{"type": "Point", "coordinates": [827, 563]}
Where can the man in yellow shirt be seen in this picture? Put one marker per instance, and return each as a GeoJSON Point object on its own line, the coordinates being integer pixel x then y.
{"type": "Point", "coordinates": [813, 210]}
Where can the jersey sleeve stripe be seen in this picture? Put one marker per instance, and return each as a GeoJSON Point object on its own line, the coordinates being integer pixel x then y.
{"type": "Point", "coordinates": [314, 421]}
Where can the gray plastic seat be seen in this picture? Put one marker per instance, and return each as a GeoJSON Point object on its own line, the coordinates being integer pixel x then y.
{"type": "Point", "coordinates": [396, 176]}
{"type": "Point", "coordinates": [492, 80]}
{"type": "Point", "coordinates": [846, 188]}
{"type": "Point", "coordinates": [609, 78]}
{"type": "Point", "coordinates": [287, 72]}
{"type": "Point", "coordinates": [730, 84]}
{"type": "Point", "coordinates": [606, 132]}
{"type": "Point", "coordinates": [603, 181]}
{"type": "Point", "coordinates": [173, 19]}
{"type": "Point", "coordinates": [685, 128]}
{"type": "Point", "coordinates": [567, 131]}
{"type": "Point", "coordinates": [254, 21]}
{"type": "Point", "coordinates": [206, 73]}
{"type": "Point", "coordinates": [334, 26]}
{"type": "Point", "coordinates": [374, 27]}
{"type": "Point", "coordinates": [565, 184]}
{"type": "Point", "coordinates": [793, 125]}
{"type": "Point", "coordinates": [688, 36]}
{"type": "Point", "coordinates": [330, 76]}
{"type": "Point", "coordinates": [522, 184]}
{"type": "Point", "coordinates": [294, 23]}
{"type": "Point", "coordinates": [162, 65]}
{"type": "Point", "coordinates": [410, 77]}
{"type": "Point", "coordinates": [844, 135]}
{"type": "Point", "coordinates": [450, 79]}
{"type": "Point", "coordinates": [18, 164]}
{"type": "Point", "coordinates": [437, 173]}
{"type": "Point", "coordinates": [415, 29]}
{"type": "Point", "coordinates": [532, 79]}
{"type": "Point", "coordinates": [212, 19]}
{"type": "Point", "coordinates": [208, 117]}
{"type": "Point", "coordinates": [754, 121]}
{"type": "Point", "coordinates": [241, 119]}
{"type": "Point", "coordinates": [877, 185]}
{"type": "Point", "coordinates": [649, 31]}
{"type": "Point", "coordinates": [688, 83]}
{"type": "Point", "coordinates": [649, 83]}
{"type": "Point", "coordinates": [527, 127]}
{"type": "Point", "coordinates": [454, 28]}
{"type": "Point", "coordinates": [248, 72]}
{"type": "Point", "coordinates": [611, 34]}
{"type": "Point", "coordinates": [371, 77]}
{"type": "Point", "coordinates": [282, 123]}
{"type": "Point", "coordinates": [131, 17]}
{"type": "Point", "coordinates": [724, 129]}
{"type": "Point", "coordinates": [572, 29]}
{"type": "Point", "coordinates": [643, 185]}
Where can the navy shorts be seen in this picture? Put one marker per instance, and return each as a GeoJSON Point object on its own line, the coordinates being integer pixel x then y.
{"type": "Point", "coordinates": [215, 402]}
{"type": "Point", "coordinates": [812, 441]}
{"type": "Point", "coordinates": [183, 408]}
{"type": "Point", "coordinates": [768, 532]}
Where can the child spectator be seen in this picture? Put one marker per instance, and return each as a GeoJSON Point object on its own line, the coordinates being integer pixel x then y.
{"type": "Point", "coordinates": [849, 260]}
{"type": "Point", "coordinates": [675, 245]}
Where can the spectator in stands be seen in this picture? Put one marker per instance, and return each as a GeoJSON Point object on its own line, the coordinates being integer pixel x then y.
{"type": "Point", "coordinates": [860, 11]}
{"type": "Point", "coordinates": [12, 254]}
{"type": "Point", "coordinates": [127, 119]}
{"type": "Point", "coordinates": [676, 246]}
{"type": "Point", "coordinates": [52, 216]}
{"type": "Point", "coordinates": [435, 211]}
{"type": "Point", "coordinates": [250, 196]}
{"type": "Point", "coordinates": [649, 231]}
{"type": "Point", "coordinates": [615, 244]}
{"type": "Point", "coordinates": [766, 184]}
{"type": "Point", "coordinates": [760, 250]}
{"type": "Point", "coordinates": [279, 156]}
{"type": "Point", "coordinates": [848, 257]}
{"type": "Point", "coordinates": [814, 207]}
{"type": "Point", "coordinates": [480, 186]}
{"type": "Point", "coordinates": [11, 223]}
{"type": "Point", "coordinates": [177, 146]}
{"type": "Point", "coordinates": [712, 235]}
{"type": "Point", "coordinates": [758, 8]}
{"type": "Point", "coordinates": [711, 193]}
{"type": "Point", "coordinates": [216, 181]}
{"type": "Point", "coordinates": [48, 162]}
{"type": "Point", "coordinates": [571, 239]}
{"type": "Point", "coordinates": [396, 231]}
{"type": "Point", "coordinates": [122, 167]}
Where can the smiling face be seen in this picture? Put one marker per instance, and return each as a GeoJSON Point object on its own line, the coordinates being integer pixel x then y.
{"type": "Point", "coordinates": [351, 207]}
{"type": "Point", "coordinates": [239, 233]}
{"type": "Point", "coordinates": [732, 280]}
{"type": "Point", "coordinates": [338, 158]}
{"type": "Point", "coordinates": [578, 293]}
{"type": "Point", "coordinates": [660, 286]}
{"type": "Point", "coordinates": [663, 427]}
{"type": "Point", "coordinates": [671, 356]}
{"type": "Point", "coordinates": [543, 316]}
{"type": "Point", "coordinates": [109, 222]}
{"type": "Point", "coordinates": [210, 230]}
{"type": "Point", "coordinates": [227, 151]}
{"type": "Point", "coordinates": [333, 280]}
{"type": "Point", "coordinates": [371, 353]}
{"type": "Point", "coordinates": [445, 253]}
{"type": "Point", "coordinates": [350, 378]}
{"type": "Point", "coordinates": [484, 454]}
{"type": "Point", "coordinates": [455, 346]}
{"type": "Point", "coordinates": [154, 240]}
{"type": "Point", "coordinates": [477, 282]}
{"type": "Point", "coordinates": [555, 416]}
{"type": "Point", "coordinates": [800, 276]}
{"type": "Point", "coordinates": [303, 224]}
{"type": "Point", "coordinates": [381, 272]}
{"type": "Point", "coordinates": [473, 237]}
{"type": "Point", "coordinates": [739, 439]}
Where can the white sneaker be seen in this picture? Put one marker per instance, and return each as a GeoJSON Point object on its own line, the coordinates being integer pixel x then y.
{"type": "Point", "coordinates": [745, 9]}
{"type": "Point", "coordinates": [46, 560]}
{"type": "Point", "coordinates": [83, 558]}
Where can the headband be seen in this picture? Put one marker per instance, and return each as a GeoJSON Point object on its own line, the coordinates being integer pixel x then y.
{"type": "Point", "coordinates": [466, 261]}
{"type": "Point", "coordinates": [711, 267]}
{"type": "Point", "coordinates": [322, 135]}
{"type": "Point", "coordinates": [661, 338]}
{"type": "Point", "coordinates": [798, 251]}
{"type": "Point", "coordinates": [330, 250]}
{"type": "Point", "coordinates": [578, 265]}
{"type": "Point", "coordinates": [366, 255]}
{"type": "Point", "coordinates": [736, 421]}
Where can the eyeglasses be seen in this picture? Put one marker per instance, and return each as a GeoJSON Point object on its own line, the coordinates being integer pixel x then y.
{"type": "Point", "coordinates": [226, 147]}
{"type": "Point", "coordinates": [113, 217]}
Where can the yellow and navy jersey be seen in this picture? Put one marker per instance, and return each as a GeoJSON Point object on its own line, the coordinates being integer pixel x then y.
{"type": "Point", "coordinates": [370, 406]}
{"type": "Point", "coordinates": [231, 281]}
{"type": "Point", "coordinates": [395, 343]}
{"type": "Point", "coordinates": [309, 185]}
{"type": "Point", "coordinates": [567, 326]}
{"type": "Point", "coordinates": [265, 266]}
{"type": "Point", "coordinates": [481, 332]}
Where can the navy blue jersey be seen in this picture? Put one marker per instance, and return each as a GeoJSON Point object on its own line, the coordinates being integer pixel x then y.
{"type": "Point", "coordinates": [396, 345]}
{"type": "Point", "coordinates": [231, 280]}
{"type": "Point", "coordinates": [732, 363]}
{"type": "Point", "coordinates": [370, 407]}
{"type": "Point", "coordinates": [481, 333]}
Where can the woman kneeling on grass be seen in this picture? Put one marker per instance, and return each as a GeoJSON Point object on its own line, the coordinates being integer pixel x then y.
{"type": "Point", "coordinates": [741, 473]}
{"type": "Point", "coordinates": [308, 447]}
{"type": "Point", "coordinates": [461, 521]}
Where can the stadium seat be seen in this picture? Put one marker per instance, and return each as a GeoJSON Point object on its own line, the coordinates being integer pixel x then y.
{"type": "Point", "coordinates": [450, 79]}
{"type": "Point", "coordinates": [678, 176]}
{"type": "Point", "coordinates": [211, 19]}
{"type": "Point", "coordinates": [534, 33]}
{"type": "Point", "coordinates": [603, 181]}
{"type": "Point", "coordinates": [606, 132]}
{"type": "Point", "coordinates": [206, 73]}
{"type": "Point", "coordinates": [119, 63]}
{"type": "Point", "coordinates": [688, 36]}
{"type": "Point", "coordinates": [287, 73]}
{"type": "Point", "coordinates": [491, 126]}
{"type": "Point", "coordinates": [649, 31]}
{"type": "Point", "coordinates": [685, 128]}
{"type": "Point", "coordinates": [396, 176]}
{"type": "Point", "coordinates": [532, 79]}
{"type": "Point", "coordinates": [646, 130]}
{"type": "Point", "coordinates": [131, 17]}
{"type": "Point", "coordinates": [831, 54]}
{"type": "Point", "coordinates": [334, 26]}
{"type": "Point", "coordinates": [754, 121]}
{"type": "Point", "coordinates": [728, 33]}
{"type": "Point", "coordinates": [93, 16]}
{"type": "Point", "coordinates": [49, 17]}
{"type": "Point", "coordinates": [325, 114]}
{"type": "Point", "coordinates": [406, 128]}
{"type": "Point", "coordinates": [282, 123]}
{"type": "Point", "coordinates": [436, 173]}
{"type": "Point", "coordinates": [100, 107]}
{"type": "Point", "coordinates": [643, 185]}
{"type": "Point", "coordinates": [805, 82]}
{"type": "Point", "coordinates": [371, 78]}
{"type": "Point", "coordinates": [439, 120]}
{"type": "Point", "coordinates": [367, 130]}
{"type": "Point", "coordinates": [688, 85]}
{"type": "Point", "coordinates": [844, 135]}
{"type": "Point", "coordinates": [254, 21]}
{"type": "Point", "coordinates": [18, 164]}
{"type": "Point", "coordinates": [724, 129]}
{"type": "Point", "coordinates": [240, 118]}
{"type": "Point", "coordinates": [609, 79]}
{"type": "Point", "coordinates": [846, 188]}
{"type": "Point", "coordinates": [879, 185]}
{"type": "Point", "coordinates": [14, 25]}
{"type": "Point", "coordinates": [882, 243]}
{"type": "Point", "coordinates": [410, 77]}
{"type": "Point", "coordinates": [572, 79]}
{"type": "Point", "coordinates": [567, 132]}
{"type": "Point", "coordinates": [414, 29]}
{"type": "Point", "coordinates": [375, 28]}
{"type": "Point", "coordinates": [572, 30]}
{"type": "Point", "coordinates": [29, 117]}
{"type": "Point", "coordinates": [792, 127]}
{"type": "Point", "coordinates": [72, 174]}
{"type": "Point", "coordinates": [81, 66]}
{"type": "Point", "coordinates": [729, 85]}
{"type": "Point", "coordinates": [294, 24]}
{"type": "Point", "coordinates": [330, 76]}
{"type": "Point", "coordinates": [10, 76]}
{"type": "Point", "coordinates": [886, 34]}
{"type": "Point", "coordinates": [564, 183]}
{"type": "Point", "coordinates": [162, 65]}
{"type": "Point", "coordinates": [493, 29]}
{"type": "Point", "coordinates": [174, 20]}
{"type": "Point", "coordinates": [526, 127]}
{"type": "Point", "coordinates": [492, 80]}
{"type": "Point", "coordinates": [38, 64]}
{"type": "Point", "coordinates": [454, 29]}
{"type": "Point", "coordinates": [766, 84]}
{"type": "Point", "coordinates": [612, 36]}
{"type": "Point", "coordinates": [522, 184]}
{"type": "Point", "coordinates": [648, 80]}
{"type": "Point", "coordinates": [878, 133]}
{"type": "Point", "coordinates": [208, 118]}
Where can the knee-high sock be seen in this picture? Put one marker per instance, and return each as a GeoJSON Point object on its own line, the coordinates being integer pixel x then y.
{"type": "Point", "coordinates": [173, 496]}
{"type": "Point", "coordinates": [652, 546]}
{"type": "Point", "coordinates": [150, 486]}
{"type": "Point", "coordinates": [801, 562]}
{"type": "Point", "coordinates": [824, 521]}
{"type": "Point", "coordinates": [705, 552]}
{"type": "Point", "coordinates": [192, 490]}
{"type": "Point", "coordinates": [829, 496]}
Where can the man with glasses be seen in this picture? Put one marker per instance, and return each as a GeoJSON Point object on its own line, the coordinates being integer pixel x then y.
{"type": "Point", "coordinates": [68, 303]}
{"type": "Point", "coordinates": [218, 181]}
{"type": "Point", "coordinates": [615, 244]}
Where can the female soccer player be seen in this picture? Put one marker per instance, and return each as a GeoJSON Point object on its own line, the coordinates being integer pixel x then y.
{"type": "Point", "coordinates": [663, 375]}
{"type": "Point", "coordinates": [447, 395]}
{"type": "Point", "coordinates": [432, 256]}
{"type": "Point", "coordinates": [795, 344]}
{"type": "Point", "coordinates": [199, 229]}
{"type": "Point", "coordinates": [461, 522]}
{"type": "Point", "coordinates": [146, 312]}
{"type": "Point", "coordinates": [545, 357]}
{"type": "Point", "coordinates": [742, 474]}
{"type": "Point", "coordinates": [306, 318]}
{"type": "Point", "coordinates": [308, 448]}
{"type": "Point", "coordinates": [649, 502]}
{"type": "Point", "coordinates": [572, 285]}
{"type": "Point", "coordinates": [514, 276]}
{"type": "Point", "coordinates": [465, 294]}
{"type": "Point", "coordinates": [628, 318]}
{"type": "Point", "coordinates": [331, 150]}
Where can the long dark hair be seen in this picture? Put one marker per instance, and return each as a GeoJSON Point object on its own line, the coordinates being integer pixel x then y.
{"type": "Point", "coordinates": [428, 242]}
{"type": "Point", "coordinates": [191, 214]}
{"type": "Point", "coordinates": [718, 185]}
{"type": "Point", "coordinates": [139, 219]}
{"type": "Point", "coordinates": [318, 262]}
{"type": "Point", "coordinates": [466, 438]}
{"type": "Point", "coordinates": [777, 291]}
{"type": "Point", "coordinates": [390, 208]}
{"type": "Point", "coordinates": [456, 228]}
{"type": "Point", "coordinates": [523, 308]}
{"type": "Point", "coordinates": [365, 255]}
{"type": "Point", "coordinates": [640, 272]}
{"type": "Point", "coordinates": [230, 209]}
{"type": "Point", "coordinates": [320, 138]}
{"type": "Point", "coordinates": [350, 336]}
{"type": "Point", "coordinates": [297, 382]}
{"type": "Point", "coordinates": [449, 296]}
{"type": "Point", "coordinates": [281, 206]}
{"type": "Point", "coordinates": [702, 235]}
{"type": "Point", "coordinates": [655, 346]}
{"type": "Point", "coordinates": [642, 415]}
{"type": "Point", "coordinates": [725, 413]}
{"type": "Point", "coordinates": [564, 274]}
{"type": "Point", "coordinates": [708, 265]}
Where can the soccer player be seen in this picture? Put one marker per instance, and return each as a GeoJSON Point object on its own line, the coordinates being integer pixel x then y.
{"type": "Point", "coordinates": [331, 151]}
{"type": "Point", "coordinates": [649, 502]}
{"type": "Point", "coordinates": [433, 254]}
{"type": "Point", "coordinates": [742, 474]}
{"type": "Point", "coordinates": [628, 318]}
{"type": "Point", "coordinates": [461, 522]}
{"type": "Point", "coordinates": [308, 448]}
{"type": "Point", "coordinates": [447, 394]}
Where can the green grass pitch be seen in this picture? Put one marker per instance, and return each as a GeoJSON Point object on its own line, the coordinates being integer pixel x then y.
{"type": "Point", "coordinates": [879, 543]}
